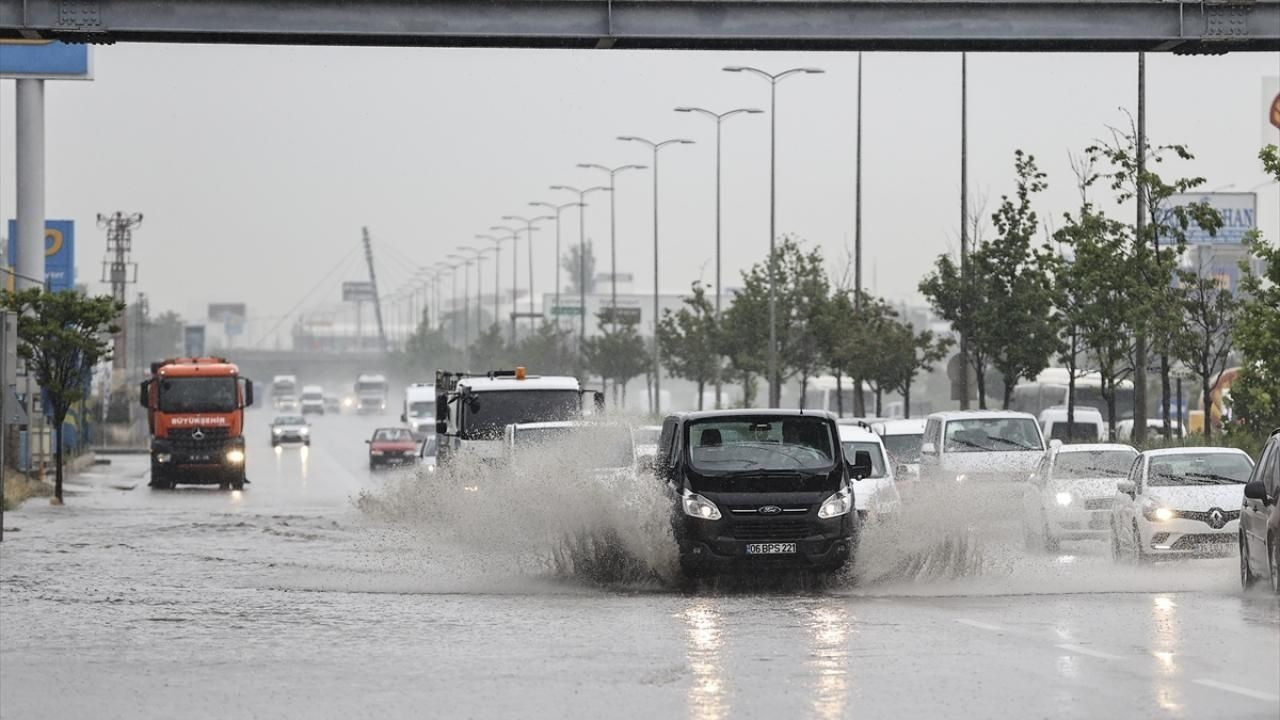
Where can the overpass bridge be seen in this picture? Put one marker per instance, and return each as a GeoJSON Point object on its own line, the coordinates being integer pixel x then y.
{"type": "Point", "coordinates": [1212, 27]}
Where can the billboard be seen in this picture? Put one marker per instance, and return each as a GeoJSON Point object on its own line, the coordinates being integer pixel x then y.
{"type": "Point", "coordinates": [45, 59]}
{"type": "Point", "coordinates": [59, 253]}
{"type": "Point", "coordinates": [357, 291]}
{"type": "Point", "coordinates": [231, 315]}
{"type": "Point", "coordinates": [1239, 212]}
{"type": "Point", "coordinates": [193, 341]}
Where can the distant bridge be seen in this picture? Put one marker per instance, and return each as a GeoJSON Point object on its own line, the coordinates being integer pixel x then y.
{"type": "Point", "coordinates": [336, 371]}
{"type": "Point", "coordinates": [943, 25]}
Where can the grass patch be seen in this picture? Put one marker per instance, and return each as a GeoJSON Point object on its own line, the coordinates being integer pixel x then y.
{"type": "Point", "coordinates": [19, 488]}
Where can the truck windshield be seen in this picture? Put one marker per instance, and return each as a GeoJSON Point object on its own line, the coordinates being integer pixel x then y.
{"type": "Point", "coordinates": [198, 394]}
{"type": "Point", "coordinates": [727, 445]}
{"type": "Point", "coordinates": [486, 414]}
{"type": "Point", "coordinates": [422, 409]}
{"type": "Point", "coordinates": [371, 387]}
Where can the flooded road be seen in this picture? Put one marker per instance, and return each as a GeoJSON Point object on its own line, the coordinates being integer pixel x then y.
{"type": "Point", "coordinates": [291, 601]}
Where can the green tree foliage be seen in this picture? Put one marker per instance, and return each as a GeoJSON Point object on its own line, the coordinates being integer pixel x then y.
{"type": "Point", "coordinates": [572, 263]}
{"type": "Point", "coordinates": [490, 350]}
{"type": "Point", "coordinates": [548, 350]}
{"type": "Point", "coordinates": [617, 354]}
{"type": "Point", "coordinates": [61, 337]}
{"type": "Point", "coordinates": [1208, 314]}
{"type": "Point", "coordinates": [1255, 394]}
{"type": "Point", "coordinates": [910, 353]}
{"type": "Point", "coordinates": [426, 350]}
{"type": "Point", "coordinates": [689, 340]}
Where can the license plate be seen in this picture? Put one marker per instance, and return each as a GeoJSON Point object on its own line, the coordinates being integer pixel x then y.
{"type": "Point", "coordinates": [200, 458]}
{"type": "Point", "coordinates": [771, 549]}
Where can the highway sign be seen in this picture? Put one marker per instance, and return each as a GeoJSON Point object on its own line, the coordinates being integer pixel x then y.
{"type": "Point", "coordinates": [59, 253]}
{"type": "Point", "coordinates": [621, 315]}
{"type": "Point", "coordinates": [45, 59]}
{"type": "Point", "coordinates": [353, 291]}
{"type": "Point", "coordinates": [574, 310]}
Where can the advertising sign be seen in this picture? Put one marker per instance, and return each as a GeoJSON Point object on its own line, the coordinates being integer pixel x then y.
{"type": "Point", "coordinates": [59, 253]}
{"type": "Point", "coordinates": [1239, 212]}
{"type": "Point", "coordinates": [193, 340]}
{"type": "Point", "coordinates": [45, 59]}
{"type": "Point", "coordinates": [620, 315]}
{"type": "Point", "coordinates": [357, 291]}
{"type": "Point", "coordinates": [231, 315]}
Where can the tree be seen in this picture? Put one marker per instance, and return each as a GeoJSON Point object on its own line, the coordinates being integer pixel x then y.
{"type": "Point", "coordinates": [1208, 313]}
{"type": "Point", "coordinates": [547, 350]}
{"type": "Point", "coordinates": [1255, 394]}
{"type": "Point", "coordinates": [1156, 303]}
{"type": "Point", "coordinates": [580, 260]}
{"type": "Point", "coordinates": [912, 353]}
{"type": "Point", "coordinates": [61, 337]}
{"type": "Point", "coordinates": [958, 301]}
{"type": "Point", "coordinates": [617, 354]}
{"type": "Point", "coordinates": [490, 350]}
{"type": "Point", "coordinates": [690, 340]}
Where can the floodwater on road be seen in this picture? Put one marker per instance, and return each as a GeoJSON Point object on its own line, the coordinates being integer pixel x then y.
{"type": "Point", "coordinates": [324, 590]}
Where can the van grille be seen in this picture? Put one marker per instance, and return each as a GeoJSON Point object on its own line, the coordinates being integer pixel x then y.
{"type": "Point", "coordinates": [773, 529]}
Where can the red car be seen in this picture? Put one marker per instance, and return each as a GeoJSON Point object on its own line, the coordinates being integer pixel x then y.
{"type": "Point", "coordinates": [391, 446]}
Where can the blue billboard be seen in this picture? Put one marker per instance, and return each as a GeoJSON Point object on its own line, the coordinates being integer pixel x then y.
{"type": "Point", "coordinates": [49, 59]}
{"type": "Point", "coordinates": [59, 253]}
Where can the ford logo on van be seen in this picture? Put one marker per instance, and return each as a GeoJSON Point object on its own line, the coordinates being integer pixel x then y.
{"type": "Point", "coordinates": [770, 510]}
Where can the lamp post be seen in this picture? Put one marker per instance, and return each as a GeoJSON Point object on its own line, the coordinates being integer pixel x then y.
{"type": "Point", "coordinates": [478, 254]}
{"type": "Point", "coordinates": [719, 119]}
{"type": "Point", "coordinates": [513, 234]}
{"type": "Point", "coordinates": [582, 258]}
{"type": "Point", "coordinates": [557, 209]}
{"type": "Point", "coordinates": [464, 262]}
{"type": "Point", "coordinates": [613, 230]}
{"type": "Point", "coordinates": [775, 391]}
{"type": "Point", "coordinates": [453, 283]}
{"type": "Point", "coordinates": [497, 257]}
{"type": "Point", "coordinates": [657, 366]}
{"type": "Point", "coordinates": [528, 224]}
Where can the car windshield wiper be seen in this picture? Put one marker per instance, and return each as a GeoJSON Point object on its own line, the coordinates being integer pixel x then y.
{"type": "Point", "coordinates": [1215, 479]}
{"type": "Point", "coordinates": [966, 443]}
{"type": "Point", "coordinates": [1015, 443]}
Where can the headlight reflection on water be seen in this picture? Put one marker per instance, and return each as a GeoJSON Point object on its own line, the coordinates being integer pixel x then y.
{"type": "Point", "coordinates": [707, 697]}
{"type": "Point", "coordinates": [829, 636]}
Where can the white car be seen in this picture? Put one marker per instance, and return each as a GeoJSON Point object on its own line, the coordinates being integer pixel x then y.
{"type": "Point", "coordinates": [902, 439]}
{"type": "Point", "coordinates": [994, 447]}
{"type": "Point", "coordinates": [1155, 426]}
{"type": "Point", "coordinates": [427, 453]}
{"type": "Point", "coordinates": [287, 404]}
{"type": "Point", "coordinates": [877, 494]}
{"type": "Point", "coordinates": [1180, 501]}
{"type": "Point", "coordinates": [1070, 495]}
{"type": "Point", "coordinates": [312, 400]}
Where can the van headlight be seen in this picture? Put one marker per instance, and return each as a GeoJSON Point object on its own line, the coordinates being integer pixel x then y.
{"type": "Point", "coordinates": [697, 506]}
{"type": "Point", "coordinates": [235, 457]}
{"type": "Point", "coordinates": [1063, 498]}
{"type": "Point", "coordinates": [277, 431]}
{"type": "Point", "coordinates": [304, 431]}
{"type": "Point", "coordinates": [836, 505]}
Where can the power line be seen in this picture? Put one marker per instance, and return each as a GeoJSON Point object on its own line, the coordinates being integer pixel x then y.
{"type": "Point", "coordinates": [340, 264]}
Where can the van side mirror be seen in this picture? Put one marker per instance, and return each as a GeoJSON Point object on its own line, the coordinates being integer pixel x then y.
{"type": "Point", "coordinates": [403, 418]}
{"type": "Point", "coordinates": [1127, 487]}
{"type": "Point", "coordinates": [928, 448]}
{"type": "Point", "coordinates": [142, 394]}
{"type": "Point", "coordinates": [248, 392]}
{"type": "Point", "coordinates": [861, 465]}
{"type": "Point", "coordinates": [1055, 444]}
{"type": "Point", "coordinates": [1255, 490]}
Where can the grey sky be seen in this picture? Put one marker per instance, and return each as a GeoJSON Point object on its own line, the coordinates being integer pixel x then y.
{"type": "Point", "coordinates": [257, 166]}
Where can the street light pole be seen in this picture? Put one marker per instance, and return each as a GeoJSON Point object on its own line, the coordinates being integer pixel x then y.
{"type": "Point", "coordinates": [719, 120]}
{"type": "Point", "coordinates": [582, 259]}
{"type": "Point", "coordinates": [478, 254]}
{"type": "Point", "coordinates": [466, 300]}
{"type": "Point", "coordinates": [613, 231]}
{"type": "Point", "coordinates": [529, 223]}
{"type": "Point", "coordinates": [497, 260]}
{"type": "Point", "coordinates": [515, 256]}
{"type": "Point", "coordinates": [775, 390]}
{"type": "Point", "coordinates": [656, 408]}
{"type": "Point", "coordinates": [557, 209]}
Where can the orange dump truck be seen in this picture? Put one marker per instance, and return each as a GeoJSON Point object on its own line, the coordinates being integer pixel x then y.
{"type": "Point", "coordinates": [195, 412]}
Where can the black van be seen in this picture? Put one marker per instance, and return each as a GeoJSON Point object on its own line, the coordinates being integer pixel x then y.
{"type": "Point", "coordinates": [759, 489]}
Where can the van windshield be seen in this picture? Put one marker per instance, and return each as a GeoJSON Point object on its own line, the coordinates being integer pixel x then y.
{"type": "Point", "coordinates": [992, 434]}
{"type": "Point", "coordinates": [422, 409]}
{"type": "Point", "coordinates": [728, 445]}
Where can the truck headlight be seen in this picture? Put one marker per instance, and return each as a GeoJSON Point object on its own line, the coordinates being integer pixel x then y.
{"type": "Point", "coordinates": [697, 506]}
{"type": "Point", "coordinates": [375, 452]}
{"type": "Point", "coordinates": [163, 457]}
{"type": "Point", "coordinates": [1063, 498]}
{"type": "Point", "coordinates": [277, 431]}
{"type": "Point", "coordinates": [836, 505]}
{"type": "Point", "coordinates": [235, 457]}
{"type": "Point", "coordinates": [304, 431]}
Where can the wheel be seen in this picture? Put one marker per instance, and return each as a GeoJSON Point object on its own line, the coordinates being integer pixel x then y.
{"type": "Point", "coordinates": [373, 465]}
{"type": "Point", "coordinates": [1273, 550]}
{"type": "Point", "coordinates": [237, 484]}
{"type": "Point", "coordinates": [1247, 578]}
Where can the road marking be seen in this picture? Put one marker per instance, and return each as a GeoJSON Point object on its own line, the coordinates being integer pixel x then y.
{"type": "Point", "coordinates": [1090, 652]}
{"type": "Point", "coordinates": [980, 625]}
{"type": "Point", "coordinates": [1237, 689]}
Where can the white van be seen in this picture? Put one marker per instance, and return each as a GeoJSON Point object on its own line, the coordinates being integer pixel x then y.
{"type": "Point", "coordinates": [1087, 426]}
{"type": "Point", "coordinates": [419, 411]}
{"type": "Point", "coordinates": [979, 446]}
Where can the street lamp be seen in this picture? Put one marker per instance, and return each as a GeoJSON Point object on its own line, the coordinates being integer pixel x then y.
{"type": "Point", "coordinates": [655, 147]}
{"type": "Point", "coordinates": [775, 392]}
{"type": "Point", "coordinates": [479, 256]}
{"type": "Point", "coordinates": [557, 209]}
{"type": "Point", "coordinates": [466, 298]}
{"type": "Point", "coordinates": [497, 260]}
{"type": "Point", "coordinates": [719, 119]}
{"type": "Point", "coordinates": [453, 283]}
{"type": "Point", "coordinates": [512, 234]}
{"type": "Point", "coordinates": [528, 224]}
{"type": "Point", "coordinates": [613, 228]}
{"type": "Point", "coordinates": [582, 258]}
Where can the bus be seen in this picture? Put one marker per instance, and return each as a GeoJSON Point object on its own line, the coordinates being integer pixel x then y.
{"type": "Point", "coordinates": [1049, 389]}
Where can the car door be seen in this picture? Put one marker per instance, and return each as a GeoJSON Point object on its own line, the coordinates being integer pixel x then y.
{"type": "Point", "coordinates": [1255, 513]}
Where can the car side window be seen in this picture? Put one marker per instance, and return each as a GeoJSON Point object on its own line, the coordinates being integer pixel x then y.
{"type": "Point", "coordinates": [932, 434]}
{"type": "Point", "coordinates": [1271, 476]}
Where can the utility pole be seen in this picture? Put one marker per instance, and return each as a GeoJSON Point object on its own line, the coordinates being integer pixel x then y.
{"type": "Point", "coordinates": [964, 226]}
{"type": "Point", "coordinates": [857, 204]}
{"type": "Point", "coordinates": [373, 282]}
{"type": "Point", "coordinates": [1140, 342]}
{"type": "Point", "coordinates": [118, 270]}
